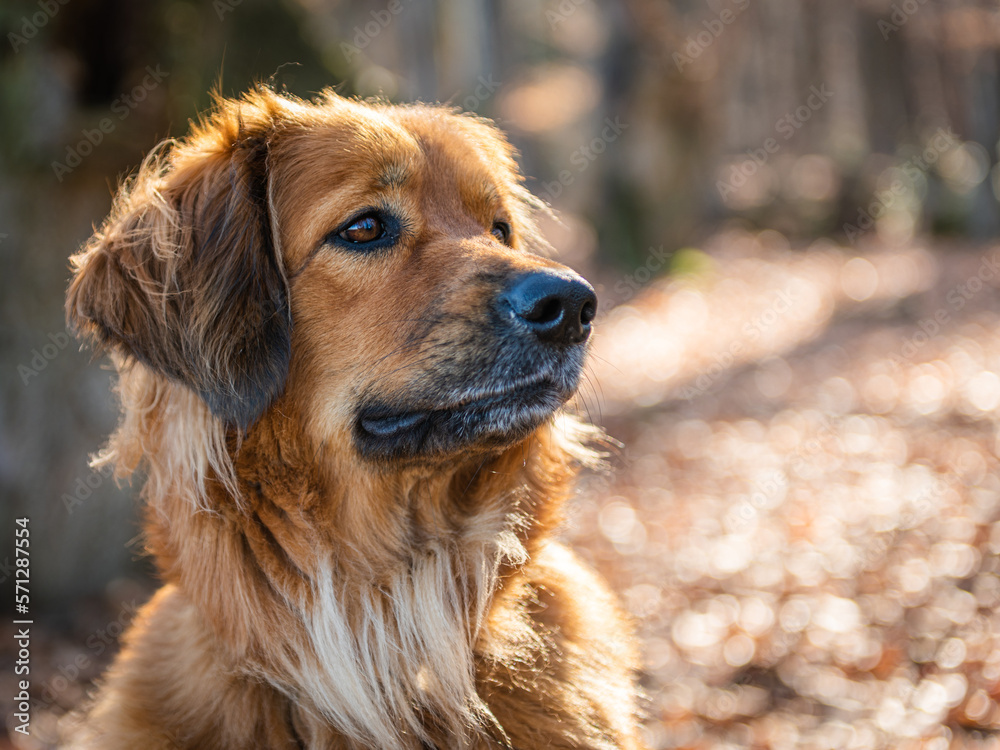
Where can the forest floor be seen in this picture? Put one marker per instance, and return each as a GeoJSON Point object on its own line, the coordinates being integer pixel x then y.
{"type": "Point", "coordinates": [804, 513]}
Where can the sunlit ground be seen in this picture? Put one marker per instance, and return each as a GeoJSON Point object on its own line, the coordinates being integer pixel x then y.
{"type": "Point", "coordinates": [804, 516]}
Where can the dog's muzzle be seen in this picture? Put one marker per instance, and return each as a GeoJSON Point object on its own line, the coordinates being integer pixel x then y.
{"type": "Point", "coordinates": [514, 365]}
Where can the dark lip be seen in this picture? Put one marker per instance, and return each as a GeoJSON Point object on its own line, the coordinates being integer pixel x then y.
{"type": "Point", "coordinates": [384, 426]}
{"type": "Point", "coordinates": [492, 416]}
{"type": "Point", "coordinates": [381, 420]}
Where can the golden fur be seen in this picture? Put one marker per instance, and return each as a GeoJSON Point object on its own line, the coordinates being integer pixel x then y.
{"type": "Point", "coordinates": [319, 593]}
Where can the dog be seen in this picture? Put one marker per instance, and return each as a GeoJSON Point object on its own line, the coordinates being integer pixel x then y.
{"type": "Point", "coordinates": [343, 358]}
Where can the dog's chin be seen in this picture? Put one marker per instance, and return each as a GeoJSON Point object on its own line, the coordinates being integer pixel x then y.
{"type": "Point", "coordinates": [484, 421]}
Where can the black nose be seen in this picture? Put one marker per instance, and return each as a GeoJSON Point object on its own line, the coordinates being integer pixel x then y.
{"type": "Point", "coordinates": [557, 307]}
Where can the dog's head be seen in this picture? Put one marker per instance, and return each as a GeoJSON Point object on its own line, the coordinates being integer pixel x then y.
{"type": "Point", "coordinates": [333, 313]}
{"type": "Point", "coordinates": [371, 264]}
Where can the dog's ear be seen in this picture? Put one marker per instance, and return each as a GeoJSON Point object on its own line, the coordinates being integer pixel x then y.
{"type": "Point", "coordinates": [184, 276]}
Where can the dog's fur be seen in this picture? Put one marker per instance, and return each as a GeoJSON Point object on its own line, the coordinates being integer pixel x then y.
{"type": "Point", "coordinates": [323, 589]}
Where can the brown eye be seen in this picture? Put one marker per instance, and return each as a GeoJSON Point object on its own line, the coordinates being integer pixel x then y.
{"type": "Point", "coordinates": [501, 230]}
{"type": "Point", "coordinates": [365, 229]}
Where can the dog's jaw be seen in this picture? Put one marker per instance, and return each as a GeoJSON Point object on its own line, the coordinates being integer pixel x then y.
{"type": "Point", "coordinates": [469, 407]}
{"type": "Point", "coordinates": [483, 420]}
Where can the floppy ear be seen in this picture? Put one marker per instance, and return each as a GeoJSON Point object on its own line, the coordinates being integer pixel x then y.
{"type": "Point", "coordinates": [184, 275]}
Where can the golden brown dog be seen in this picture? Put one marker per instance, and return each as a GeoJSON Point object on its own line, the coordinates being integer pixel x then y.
{"type": "Point", "coordinates": [341, 368]}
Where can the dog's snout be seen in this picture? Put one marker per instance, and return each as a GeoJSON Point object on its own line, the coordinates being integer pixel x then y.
{"type": "Point", "coordinates": [557, 307]}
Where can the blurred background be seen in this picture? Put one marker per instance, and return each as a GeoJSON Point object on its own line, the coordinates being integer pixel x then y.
{"type": "Point", "coordinates": [789, 209]}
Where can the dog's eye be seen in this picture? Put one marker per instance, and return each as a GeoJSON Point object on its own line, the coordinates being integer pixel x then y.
{"type": "Point", "coordinates": [365, 229]}
{"type": "Point", "coordinates": [501, 230]}
{"type": "Point", "coordinates": [369, 231]}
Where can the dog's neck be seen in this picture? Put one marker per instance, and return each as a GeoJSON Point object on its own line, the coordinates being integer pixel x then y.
{"type": "Point", "coordinates": [359, 594]}
{"type": "Point", "coordinates": [398, 583]}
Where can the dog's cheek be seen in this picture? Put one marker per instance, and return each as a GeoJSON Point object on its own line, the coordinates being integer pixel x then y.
{"type": "Point", "coordinates": [322, 375]}
{"type": "Point", "coordinates": [349, 330]}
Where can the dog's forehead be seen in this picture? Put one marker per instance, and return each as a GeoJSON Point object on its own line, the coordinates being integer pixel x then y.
{"type": "Point", "coordinates": [467, 163]}
{"type": "Point", "coordinates": [476, 148]}
{"type": "Point", "coordinates": [349, 154]}
{"type": "Point", "coordinates": [399, 143]}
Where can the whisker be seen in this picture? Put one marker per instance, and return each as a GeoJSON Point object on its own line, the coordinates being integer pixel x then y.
{"type": "Point", "coordinates": [397, 321]}
{"type": "Point", "coordinates": [474, 475]}
{"type": "Point", "coordinates": [591, 380]}
{"type": "Point", "coordinates": [402, 349]}
{"type": "Point", "coordinates": [584, 401]}
{"type": "Point", "coordinates": [414, 363]}
{"type": "Point", "coordinates": [608, 362]}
